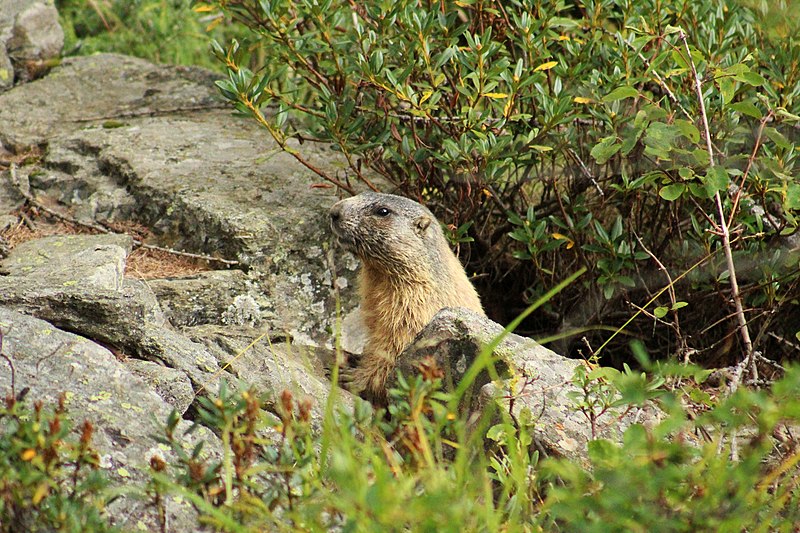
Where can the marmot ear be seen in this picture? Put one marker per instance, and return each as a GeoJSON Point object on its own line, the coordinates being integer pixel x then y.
{"type": "Point", "coordinates": [422, 223]}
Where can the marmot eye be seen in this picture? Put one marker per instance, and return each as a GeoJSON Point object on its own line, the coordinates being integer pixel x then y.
{"type": "Point", "coordinates": [382, 212]}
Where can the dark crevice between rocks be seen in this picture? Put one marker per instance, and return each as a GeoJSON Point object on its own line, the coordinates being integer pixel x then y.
{"type": "Point", "coordinates": [117, 169]}
{"type": "Point", "coordinates": [84, 148]}
{"type": "Point", "coordinates": [191, 414]}
{"type": "Point", "coordinates": [19, 149]}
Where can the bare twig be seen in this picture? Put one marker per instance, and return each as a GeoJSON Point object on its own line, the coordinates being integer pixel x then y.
{"type": "Point", "coordinates": [770, 362]}
{"type": "Point", "coordinates": [672, 298]}
{"type": "Point", "coordinates": [10, 364]}
{"type": "Point", "coordinates": [139, 113]}
{"type": "Point", "coordinates": [100, 14]}
{"type": "Point", "coordinates": [784, 341]}
{"type": "Point", "coordinates": [653, 299]}
{"type": "Point", "coordinates": [748, 360]}
{"type": "Point", "coordinates": [663, 85]}
{"type": "Point", "coordinates": [746, 172]}
{"type": "Point", "coordinates": [210, 258]}
{"type": "Point", "coordinates": [586, 173]}
{"type": "Point", "coordinates": [102, 229]}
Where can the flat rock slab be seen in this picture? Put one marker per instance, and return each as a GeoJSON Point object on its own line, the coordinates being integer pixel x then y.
{"type": "Point", "coordinates": [97, 88]}
{"type": "Point", "coordinates": [76, 283]}
{"type": "Point", "coordinates": [96, 261]}
{"type": "Point", "coordinates": [173, 386]}
{"type": "Point", "coordinates": [204, 298]}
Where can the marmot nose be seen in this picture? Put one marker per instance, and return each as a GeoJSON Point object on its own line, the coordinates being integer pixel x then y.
{"type": "Point", "coordinates": [335, 213]}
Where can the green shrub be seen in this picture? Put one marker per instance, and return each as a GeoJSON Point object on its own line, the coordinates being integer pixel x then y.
{"type": "Point", "coordinates": [678, 476]}
{"type": "Point", "coordinates": [555, 135]}
{"type": "Point", "coordinates": [421, 466]}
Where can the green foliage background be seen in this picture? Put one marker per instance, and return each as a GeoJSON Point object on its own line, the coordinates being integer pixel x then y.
{"type": "Point", "coordinates": [164, 31]}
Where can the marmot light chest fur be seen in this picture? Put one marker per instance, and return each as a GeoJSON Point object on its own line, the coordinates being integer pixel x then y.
{"type": "Point", "coordinates": [408, 274]}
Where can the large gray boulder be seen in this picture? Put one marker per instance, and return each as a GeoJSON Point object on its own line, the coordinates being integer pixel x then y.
{"type": "Point", "coordinates": [144, 370]}
{"type": "Point", "coordinates": [30, 38]}
{"type": "Point", "coordinates": [530, 377]}
{"type": "Point", "coordinates": [123, 409]}
{"type": "Point", "coordinates": [77, 283]}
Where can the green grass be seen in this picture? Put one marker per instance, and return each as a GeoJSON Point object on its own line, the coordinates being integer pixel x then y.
{"type": "Point", "coordinates": [163, 31]}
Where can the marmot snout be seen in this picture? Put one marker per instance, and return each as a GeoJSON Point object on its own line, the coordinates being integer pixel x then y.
{"type": "Point", "coordinates": [408, 274]}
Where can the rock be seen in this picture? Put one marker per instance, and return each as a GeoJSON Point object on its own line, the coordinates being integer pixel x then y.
{"type": "Point", "coordinates": [6, 69]}
{"type": "Point", "coordinates": [126, 320]}
{"type": "Point", "coordinates": [8, 13]}
{"type": "Point", "coordinates": [271, 365]}
{"type": "Point", "coordinates": [37, 38]}
{"type": "Point", "coordinates": [173, 386]}
{"type": "Point", "coordinates": [204, 298]}
{"type": "Point", "coordinates": [285, 246]}
{"type": "Point", "coordinates": [122, 408]}
{"type": "Point", "coordinates": [97, 90]}
{"type": "Point", "coordinates": [76, 283]}
{"type": "Point", "coordinates": [174, 350]}
{"type": "Point", "coordinates": [10, 198]}
{"type": "Point", "coordinates": [94, 261]}
{"type": "Point", "coordinates": [354, 333]}
{"type": "Point", "coordinates": [30, 37]}
{"type": "Point", "coordinates": [206, 182]}
{"type": "Point", "coordinates": [455, 338]}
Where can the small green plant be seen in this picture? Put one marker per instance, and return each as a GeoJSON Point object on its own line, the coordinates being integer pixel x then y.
{"type": "Point", "coordinates": [49, 479]}
{"type": "Point", "coordinates": [596, 394]}
{"type": "Point", "coordinates": [266, 461]}
{"type": "Point", "coordinates": [677, 476]}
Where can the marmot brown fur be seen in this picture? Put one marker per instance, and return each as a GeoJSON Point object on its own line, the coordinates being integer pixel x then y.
{"type": "Point", "coordinates": [408, 274]}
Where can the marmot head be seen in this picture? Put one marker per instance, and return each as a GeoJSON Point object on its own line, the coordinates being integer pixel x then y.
{"type": "Point", "coordinates": [389, 233]}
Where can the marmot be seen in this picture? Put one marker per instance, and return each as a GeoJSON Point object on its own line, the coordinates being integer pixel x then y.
{"type": "Point", "coordinates": [408, 274]}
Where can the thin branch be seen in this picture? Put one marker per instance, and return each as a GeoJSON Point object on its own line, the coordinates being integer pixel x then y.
{"type": "Point", "coordinates": [748, 360]}
{"type": "Point", "coordinates": [586, 173]}
{"type": "Point", "coordinates": [750, 160]}
{"type": "Point", "coordinates": [191, 255]}
{"type": "Point", "coordinates": [138, 113]}
{"type": "Point", "coordinates": [672, 297]}
{"type": "Point", "coordinates": [279, 138]}
{"type": "Point", "coordinates": [654, 298]}
{"type": "Point", "coordinates": [662, 83]}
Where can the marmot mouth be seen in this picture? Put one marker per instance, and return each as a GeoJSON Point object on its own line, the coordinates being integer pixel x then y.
{"type": "Point", "coordinates": [344, 241]}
